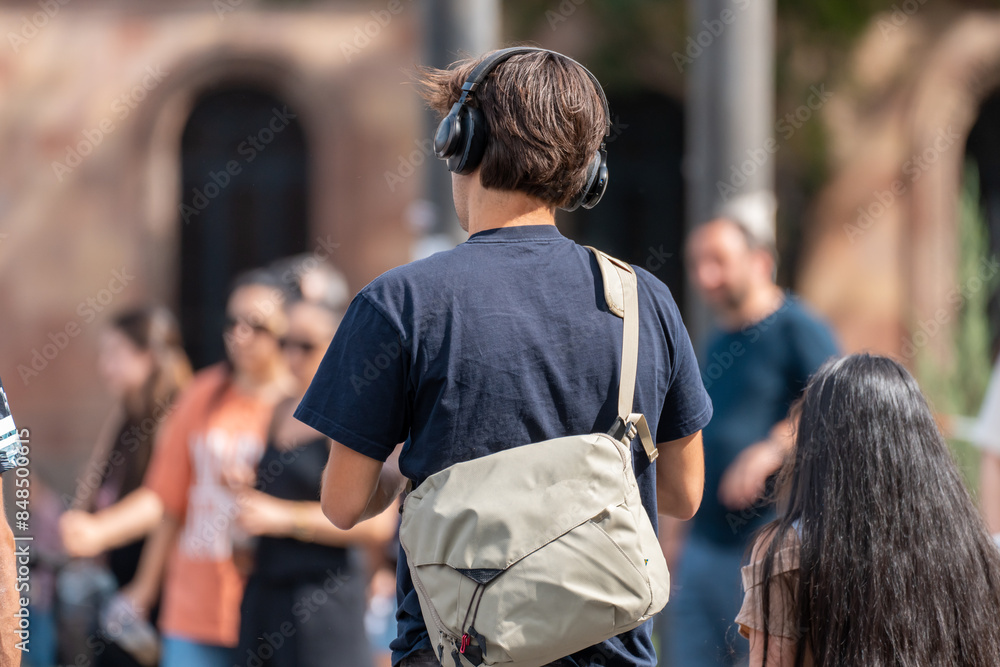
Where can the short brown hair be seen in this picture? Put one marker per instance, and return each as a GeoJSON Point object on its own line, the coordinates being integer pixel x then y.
{"type": "Point", "coordinates": [545, 118]}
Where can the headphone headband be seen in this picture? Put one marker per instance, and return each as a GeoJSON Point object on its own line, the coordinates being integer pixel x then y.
{"type": "Point", "coordinates": [483, 69]}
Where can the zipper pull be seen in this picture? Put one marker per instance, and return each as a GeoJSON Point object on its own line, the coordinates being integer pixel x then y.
{"type": "Point", "coordinates": [466, 639]}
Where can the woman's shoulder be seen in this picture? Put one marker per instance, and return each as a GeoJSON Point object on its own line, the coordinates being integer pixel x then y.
{"type": "Point", "coordinates": [778, 586]}
{"type": "Point", "coordinates": [205, 384]}
{"type": "Point", "coordinates": [785, 547]}
{"type": "Point", "coordinates": [208, 378]}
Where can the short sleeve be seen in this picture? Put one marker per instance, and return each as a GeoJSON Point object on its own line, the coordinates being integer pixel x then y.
{"type": "Point", "coordinates": [169, 473]}
{"type": "Point", "coordinates": [782, 585]}
{"type": "Point", "coordinates": [686, 407]}
{"type": "Point", "coordinates": [359, 395]}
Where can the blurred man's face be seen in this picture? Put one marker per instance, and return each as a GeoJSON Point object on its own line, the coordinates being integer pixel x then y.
{"type": "Point", "coordinates": [720, 264]}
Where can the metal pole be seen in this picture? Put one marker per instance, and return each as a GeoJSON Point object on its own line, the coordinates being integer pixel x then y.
{"type": "Point", "coordinates": [453, 29]}
{"type": "Point", "coordinates": [730, 122]}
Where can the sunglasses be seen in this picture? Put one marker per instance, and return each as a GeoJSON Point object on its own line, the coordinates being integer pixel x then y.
{"type": "Point", "coordinates": [233, 322]}
{"type": "Point", "coordinates": [304, 346]}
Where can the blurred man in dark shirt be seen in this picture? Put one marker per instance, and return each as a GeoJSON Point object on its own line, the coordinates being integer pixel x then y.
{"type": "Point", "coordinates": [754, 366]}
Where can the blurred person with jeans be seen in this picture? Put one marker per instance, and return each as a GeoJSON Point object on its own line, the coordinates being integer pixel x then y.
{"type": "Point", "coordinates": [143, 364]}
{"type": "Point", "coordinates": [308, 583]}
{"type": "Point", "coordinates": [506, 339]}
{"type": "Point", "coordinates": [47, 558]}
{"type": "Point", "coordinates": [754, 367]}
{"type": "Point", "coordinates": [218, 427]}
{"type": "Point", "coordinates": [10, 604]}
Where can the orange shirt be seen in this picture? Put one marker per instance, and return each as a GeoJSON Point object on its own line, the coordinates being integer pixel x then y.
{"type": "Point", "coordinates": [214, 428]}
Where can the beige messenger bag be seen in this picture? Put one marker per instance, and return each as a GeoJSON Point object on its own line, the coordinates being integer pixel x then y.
{"type": "Point", "coordinates": [528, 555]}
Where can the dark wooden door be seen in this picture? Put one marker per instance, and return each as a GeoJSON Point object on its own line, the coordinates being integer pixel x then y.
{"type": "Point", "coordinates": [243, 204]}
{"type": "Point", "coordinates": [984, 148]}
{"type": "Point", "coordinates": [641, 217]}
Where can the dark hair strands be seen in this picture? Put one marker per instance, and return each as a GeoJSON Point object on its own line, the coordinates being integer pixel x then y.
{"type": "Point", "coordinates": [897, 568]}
{"type": "Point", "coordinates": [545, 118]}
{"type": "Point", "coordinates": [151, 329]}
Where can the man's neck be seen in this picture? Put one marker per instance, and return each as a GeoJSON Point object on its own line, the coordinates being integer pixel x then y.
{"type": "Point", "coordinates": [758, 305]}
{"type": "Point", "coordinates": [490, 209]}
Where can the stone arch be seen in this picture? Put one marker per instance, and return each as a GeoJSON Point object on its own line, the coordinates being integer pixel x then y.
{"type": "Point", "coordinates": [961, 71]}
{"type": "Point", "coordinates": [157, 133]}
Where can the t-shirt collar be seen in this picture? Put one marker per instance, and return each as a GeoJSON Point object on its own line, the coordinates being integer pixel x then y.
{"type": "Point", "coordinates": [517, 234]}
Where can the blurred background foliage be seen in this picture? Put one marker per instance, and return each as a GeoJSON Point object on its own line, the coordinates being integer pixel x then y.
{"type": "Point", "coordinates": [956, 385]}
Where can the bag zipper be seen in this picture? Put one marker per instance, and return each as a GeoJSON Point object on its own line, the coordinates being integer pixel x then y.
{"type": "Point", "coordinates": [434, 615]}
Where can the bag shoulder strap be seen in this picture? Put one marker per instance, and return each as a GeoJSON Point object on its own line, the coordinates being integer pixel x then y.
{"type": "Point", "coordinates": [621, 292]}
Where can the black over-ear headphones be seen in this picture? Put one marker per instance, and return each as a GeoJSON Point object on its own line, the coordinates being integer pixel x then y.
{"type": "Point", "coordinates": [462, 135]}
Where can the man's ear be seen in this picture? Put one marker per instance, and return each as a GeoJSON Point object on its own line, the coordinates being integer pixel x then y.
{"type": "Point", "coordinates": [764, 265]}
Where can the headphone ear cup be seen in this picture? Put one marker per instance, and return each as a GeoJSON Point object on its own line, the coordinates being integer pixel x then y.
{"type": "Point", "coordinates": [473, 135]}
{"type": "Point", "coordinates": [594, 185]}
{"type": "Point", "coordinates": [597, 186]}
{"type": "Point", "coordinates": [447, 138]}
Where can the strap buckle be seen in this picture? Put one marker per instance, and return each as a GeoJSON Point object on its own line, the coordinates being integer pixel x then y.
{"type": "Point", "coordinates": [623, 430]}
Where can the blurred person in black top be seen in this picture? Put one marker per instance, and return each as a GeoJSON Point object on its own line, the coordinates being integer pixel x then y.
{"type": "Point", "coordinates": [142, 363]}
{"type": "Point", "coordinates": [304, 603]}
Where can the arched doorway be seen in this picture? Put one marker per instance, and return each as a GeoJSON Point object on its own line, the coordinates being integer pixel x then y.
{"type": "Point", "coordinates": [641, 217]}
{"type": "Point", "coordinates": [245, 182]}
{"type": "Point", "coordinates": [983, 147]}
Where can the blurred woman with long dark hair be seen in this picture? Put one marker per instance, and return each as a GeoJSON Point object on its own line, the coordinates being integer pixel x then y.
{"type": "Point", "coordinates": [142, 363]}
{"type": "Point", "coordinates": [879, 557]}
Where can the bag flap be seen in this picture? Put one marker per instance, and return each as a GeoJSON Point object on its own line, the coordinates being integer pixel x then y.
{"type": "Point", "coordinates": [488, 513]}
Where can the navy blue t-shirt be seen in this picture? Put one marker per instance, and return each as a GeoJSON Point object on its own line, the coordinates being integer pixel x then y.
{"type": "Point", "coordinates": [753, 376]}
{"type": "Point", "coordinates": [502, 341]}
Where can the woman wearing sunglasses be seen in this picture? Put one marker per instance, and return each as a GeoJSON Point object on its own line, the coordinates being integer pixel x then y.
{"type": "Point", "coordinates": [878, 557]}
{"type": "Point", "coordinates": [304, 603]}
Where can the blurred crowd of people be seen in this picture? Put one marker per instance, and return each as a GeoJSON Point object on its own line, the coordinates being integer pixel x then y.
{"type": "Point", "coordinates": [196, 525]}
{"type": "Point", "coordinates": [834, 527]}
{"type": "Point", "coordinates": [197, 517]}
